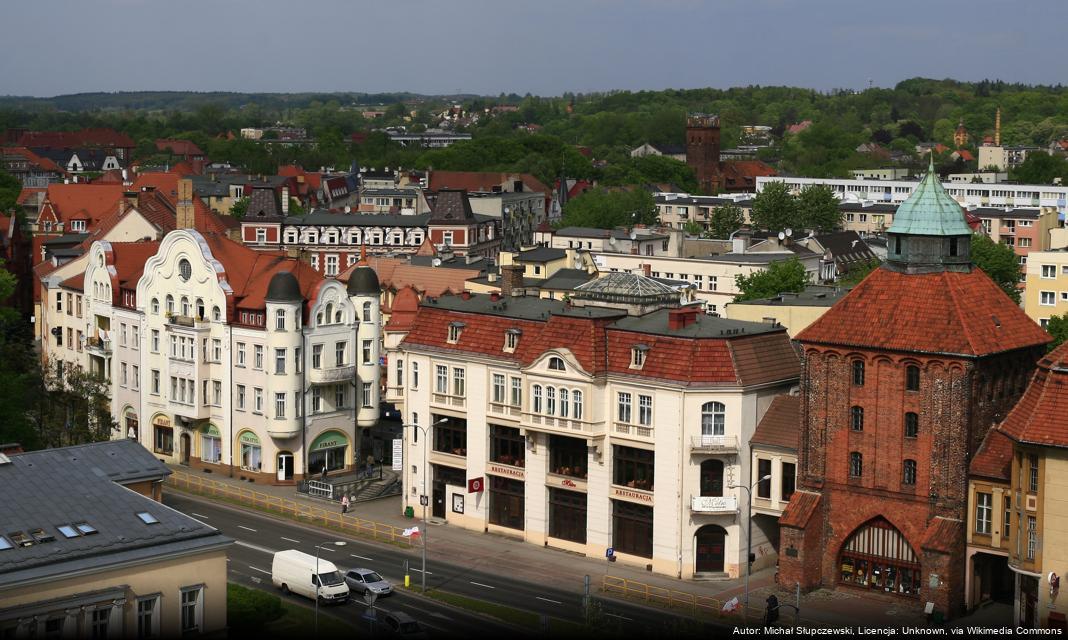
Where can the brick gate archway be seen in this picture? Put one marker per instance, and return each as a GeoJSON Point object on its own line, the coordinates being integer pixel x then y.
{"type": "Point", "coordinates": [878, 557]}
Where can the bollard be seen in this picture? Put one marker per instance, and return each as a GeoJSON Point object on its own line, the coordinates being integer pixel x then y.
{"type": "Point", "coordinates": [407, 576]}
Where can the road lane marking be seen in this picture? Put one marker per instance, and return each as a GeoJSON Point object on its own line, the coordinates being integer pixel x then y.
{"type": "Point", "coordinates": [328, 549]}
{"type": "Point", "coordinates": [361, 557]}
{"type": "Point", "coordinates": [479, 584]}
{"type": "Point", "coordinates": [548, 600]}
{"type": "Point", "coordinates": [254, 547]}
{"type": "Point", "coordinates": [429, 573]}
{"type": "Point", "coordinates": [258, 569]}
{"type": "Point", "coordinates": [620, 617]}
{"type": "Point", "coordinates": [197, 515]}
{"type": "Point", "coordinates": [290, 539]}
{"type": "Point", "coordinates": [246, 528]}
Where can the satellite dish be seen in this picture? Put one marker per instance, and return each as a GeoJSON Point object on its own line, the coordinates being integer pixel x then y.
{"type": "Point", "coordinates": [782, 236]}
{"type": "Point", "coordinates": [348, 209]}
{"type": "Point", "coordinates": [436, 262]}
{"type": "Point", "coordinates": [578, 262]}
{"type": "Point", "coordinates": [612, 241]}
{"type": "Point", "coordinates": [633, 236]}
{"type": "Point", "coordinates": [789, 233]}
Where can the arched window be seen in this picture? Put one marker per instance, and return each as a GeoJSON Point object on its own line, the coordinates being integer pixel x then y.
{"type": "Point", "coordinates": [713, 419]}
{"type": "Point", "coordinates": [329, 312]}
{"type": "Point", "coordinates": [564, 409]}
{"type": "Point", "coordinates": [858, 373]}
{"type": "Point", "coordinates": [367, 312]}
{"type": "Point", "coordinates": [536, 398]}
{"type": "Point", "coordinates": [155, 305]}
{"type": "Point", "coordinates": [908, 472]}
{"type": "Point", "coordinates": [576, 404]}
{"type": "Point", "coordinates": [857, 418]}
{"type": "Point", "coordinates": [912, 378]}
{"type": "Point", "coordinates": [338, 316]}
{"type": "Point", "coordinates": [319, 319]}
{"type": "Point", "coordinates": [185, 306]}
{"type": "Point", "coordinates": [170, 303]}
{"type": "Point", "coordinates": [856, 464]}
{"type": "Point", "coordinates": [912, 425]}
{"type": "Point", "coordinates": [556, 364]}
{"type": "Point", "coordinates": [550, 400]}
{"type": "Point", "coordinates": [216, 313]}
{"type": "Point", "coordinates": [200, 309]}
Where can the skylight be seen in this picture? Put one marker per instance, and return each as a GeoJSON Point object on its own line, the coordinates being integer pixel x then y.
{"type": "Point", "coordinates": [86, 529]}
{"type": "Point", "coordinates": [68, 531]}
{"type": "Point", "coordinates": [4, 544]}
{"type": "Point", "coordinates": [147, 518]}
{"type": "Point", "coordinates": [40, 535]}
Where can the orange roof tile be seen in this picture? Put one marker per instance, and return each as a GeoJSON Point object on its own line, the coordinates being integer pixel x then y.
{"type": "Point", "coordinates": [800, 509]}
{"type": "Point", "coordinates": [397, 273]}
{"type": "Point", "coordinates": [1039, 416]}
{"type": "Point", "coordinates": [481, 180]}
{"type": "Point", "coordinates": [942, 535]}
{"type": "Point", "coordinates": [83, 201]}
{"type": "Point", "coordinates": [781, 424]}
{"type": "Point", "coordinates": [993, 460]}
{"type": "Point", "coordinates": [945, 312]}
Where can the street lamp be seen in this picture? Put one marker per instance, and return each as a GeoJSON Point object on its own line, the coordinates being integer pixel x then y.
{"type": "Point", "coordinates": [749, 533]}
{"type": "Point", "coordinates": [424, 498]}
{"type": "Point", "coordinates": [319, 580]}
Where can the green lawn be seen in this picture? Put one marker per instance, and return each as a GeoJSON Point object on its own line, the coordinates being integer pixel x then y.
{"type": "Point", "coordinates": [258, 613]}
{"type": "Point", "coordinates": [300, 621]}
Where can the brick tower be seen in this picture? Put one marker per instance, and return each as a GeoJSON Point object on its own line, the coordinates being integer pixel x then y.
{"type": "Point", "coordinates": [901, 381]}
{"type": "Point", "coordinates": [702, 150]}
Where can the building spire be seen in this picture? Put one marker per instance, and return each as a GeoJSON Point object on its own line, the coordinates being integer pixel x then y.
{"type": "Point", "coordinates": [363, 255]}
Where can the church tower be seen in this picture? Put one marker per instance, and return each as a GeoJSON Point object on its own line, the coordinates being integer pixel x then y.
{"type": "Point", "coordinates": [901, 381]}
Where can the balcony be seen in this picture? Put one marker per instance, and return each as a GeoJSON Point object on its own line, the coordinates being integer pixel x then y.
{"type": "Point", "coordinates": [98, 346]}
{"type": "Point", "coordinates": [506, 411]}
{"type": "Point", "coordinates": [552, 424]}
{"type": "Point", "coordinates": [714, 504]}
{"type": "Point", "coordinates": [332, 375]}
{"type": "Point", "coordinates": [632, 430]}
{"type": "Point", "coordinates": [714, 444]}
{"type": "Point", "coordinates": [283, 428]}
{"type": "Point", "coordinates": [448, 401]}
{"type": "Point", "coordinates": [181, 321]}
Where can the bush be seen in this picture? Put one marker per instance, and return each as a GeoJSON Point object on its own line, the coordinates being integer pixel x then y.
{"type": "Point", "coordinates": [250, 610]}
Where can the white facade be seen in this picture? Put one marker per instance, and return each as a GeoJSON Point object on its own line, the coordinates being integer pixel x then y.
{"type": "Point", "coordinates": [199, 380]}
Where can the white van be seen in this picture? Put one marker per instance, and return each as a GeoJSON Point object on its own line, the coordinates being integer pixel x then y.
{"type": "Point", "coordinates": [295, 571]}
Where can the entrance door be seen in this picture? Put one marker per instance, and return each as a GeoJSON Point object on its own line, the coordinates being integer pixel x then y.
{"type": "Point", "coordinates": [184, 444]}
{"type": "Point", "coordinates": [439, 499]}
{"type": "Point", "coordinates": [710, 549]}
{"type": "Point", "coordinates": [285, 466]}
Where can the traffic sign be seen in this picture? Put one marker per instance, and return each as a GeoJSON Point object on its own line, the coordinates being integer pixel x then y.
{"type": "Point", "coordinates": [424, 500]}
{"type": "Point", "coordinates": [475, 485]}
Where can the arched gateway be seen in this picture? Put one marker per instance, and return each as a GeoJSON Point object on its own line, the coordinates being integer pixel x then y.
{"type": "Point", "coordinates": [878, 557]}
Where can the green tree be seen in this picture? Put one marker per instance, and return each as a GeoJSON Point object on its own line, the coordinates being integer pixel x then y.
{"type": "Point", "coordinates": [76, 408]}
{"type": "Point", "coordinates": [998, 261]}
{"type": "Point", "coordinates": [779, 277]}
{"type": "Point", "coordinates": [1058, 328]}
{"type": "Point", "coordinates": [726, 220]}
{"type": "Point", "coordinates": [858, 272]}
{"type": "Point", "coordinates": [295, 208]}
{"type": "Point", "coordinates": [239, 207]}
{"type": "Point", "coordinates": [693, 228]}
{"type": "Point", "coordinates": [775, 208]}
{"type": "Point", "coordinates": [1041, 168]}
{"type": "Point", "coordinates": [10, 187]}
{"type": "Point", "coordinates": [817, 208]}
{"type": "Point", "coordinates": [603, 209]}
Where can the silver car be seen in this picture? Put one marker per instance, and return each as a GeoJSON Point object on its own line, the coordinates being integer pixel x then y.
{"type": "Point", "coordinates": [363, 580]}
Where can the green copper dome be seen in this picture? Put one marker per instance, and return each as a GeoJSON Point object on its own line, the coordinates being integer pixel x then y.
{"type": "Point", "coordinates": [930, 211]}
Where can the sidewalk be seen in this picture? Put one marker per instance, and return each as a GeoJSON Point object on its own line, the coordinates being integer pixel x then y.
{"type": "Point", "coordinates": [497, 554]}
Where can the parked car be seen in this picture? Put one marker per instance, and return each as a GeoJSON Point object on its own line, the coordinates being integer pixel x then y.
{"type": "Point", "coordinates": [402, 625]}
{"type": "Point", "coordinates": [295, 571]}
{"type": "Point", "coordinates": [363, 580]}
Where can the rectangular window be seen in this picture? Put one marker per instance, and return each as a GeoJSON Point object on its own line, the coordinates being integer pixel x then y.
{"type": "Point", "coordinates": [279, 405]}
{"type": "Point", "coordinates": [241, 397]}
{"type": "Point", "coordinates": [216, 350]}
{"type": "Point", "coordinates": [1032, 485]}
{"type": "Point", "coordinates": [623, 407]}
{"type": "Point", "coordinates": [763, 487]}
{"type": "Point", "coordinates": [400, 373]}
{"type": "Point", "coordinates": [164, 440]}
{"type": "Point", "coordinates": [516, 398]}
{"type": "Point", "coordinates": [366, 351]}
{"type": "Point", "coordinates": [317, 356]}
{"type": "Point", "coordinates": [99, 623]}
{"type": "Point", "coordinates": [298, 360]}
{"type": "Point", "coordinates": [506, 502]}
{"type": "Point", "coordinates": [415, 375]}
{"type": "Point", "coordinates": [135, 382]}
{"type": "Point", "coordinates": [192, 613]}
{"type": "Point", "coordinates": [257, 356]}
{"type": "Point", "coordinates": [174, 346]}
{"type": "Point", "coordinates": [279, 361]}
{"type": "Point", "coordinates": [451, 436]}
{"type": "Point", "coordinates": [280, 319]}
{"type": "Point", "coordinates": [317, 400]}
{"type": "Point", "coordinates": [983, 502]}
{"type": "Point", "coordinates": [507, 446]}
{"type": "Point", "coordinates": [339, 396]}
{"type": "Point", "coordinates": [147, 617]}
{"type": "Point", "coordinates": [632, 467]}
{"type": "Point", "coordinates": [155, 382]}
{"type": "Point", "coordinates": [645, 410]}
{"type": "Point", "coordinates": [155, 341]}
{"type": "Point", "coordinates": [122, 334]}
{"type": "Point", "coordinates": [1048, 298]}
{"type": "Point", "coordinates": [1032, 537]}
{"type": "Point", "coordinates": [632, 528]}
{"type": "Point", "coordinates": [441, 379]}
{"type": "Point", "coordinates": [498, 388]}
{"type": "Point", "coordinates": [122, 375]}
{"type": "Point", "coordinates": [339, 353]}
{"type": "Point", "coordinates": [1049, 272]}
{"type": "Point", "coordinates": [257, 399]}
{"type": "Point", "coordinates": [367, 399]}
{"type": "Point", "coordinates": [567, 515]}
{"type": "Point", "coordinates": [240, 354]}
{"type": "Point", "coordinates": [459, 387]}
{"type": "Point", "coordinates": [789, 480]}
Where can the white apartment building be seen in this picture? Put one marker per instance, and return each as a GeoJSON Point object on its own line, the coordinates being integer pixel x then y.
{"type": "Point", "coordinates": [226, 358]}
{"type": "Point", "coordinates": [616, 421]}
{"type": "Point", "coordinates": [897, 191]}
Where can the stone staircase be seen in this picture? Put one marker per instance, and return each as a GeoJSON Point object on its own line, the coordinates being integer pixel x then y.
{"type": "Point", "coordinates": [382, 484]}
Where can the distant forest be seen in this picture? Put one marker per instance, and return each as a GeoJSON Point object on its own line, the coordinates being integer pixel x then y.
{"type": "Point", "coordinates": [608, 125]}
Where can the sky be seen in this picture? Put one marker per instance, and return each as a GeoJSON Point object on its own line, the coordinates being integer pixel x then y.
{"type": "Point", "coordinates": [542, 47]}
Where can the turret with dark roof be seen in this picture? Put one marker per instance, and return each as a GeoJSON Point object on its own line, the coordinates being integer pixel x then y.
{"type": "Point", "coordinates": [283, 288]}
{"type": "Point", "coordinates": [930, 232]}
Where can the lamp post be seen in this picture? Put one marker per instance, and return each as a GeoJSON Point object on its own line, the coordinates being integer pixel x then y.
{"type": "Point", "coordinates": [319, 580]}
{"type": "Point", "coordinates": [749, 533]}
{"type": "Point", "coordinates": [424, 498]}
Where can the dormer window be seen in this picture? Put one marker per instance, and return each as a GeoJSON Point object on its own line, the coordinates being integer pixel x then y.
{"type": "Point", "coordinates": [511, 339]}
{"type": "Point", "coordinates": [637, 356]}
{"type": "Point", "coordinates": [557, 364]}
{"type": "Point", "coordinates": [455, 329]}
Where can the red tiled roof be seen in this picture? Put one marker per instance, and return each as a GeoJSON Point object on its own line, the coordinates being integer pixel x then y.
{"type": "Point", "coordinates": [76, 282]}
{"type": "Point", "coordinates": [942, 535]}
{"type": "Point", "coordinates": [1040, 415]}
{"type": "Point", "coordinates": [966, 155]}
{"type": "Point", "coordinates": [402, 313]}
{"type": "Point", "coordinates": [43, 163]}
{"type": "Point", "coordinates": [800, 509]}
{"type": "Point", "coordinates": [738, 173]}
{"type": "Point", "coordinates": [481, 180]}
{"type": "Point", "coordinates": [82, 138]}
{"type": "Point", "coordinates": [945, 312]}
{"type": "Point", "coordinates": [129, 260]}
{"type": "Point", "coordinates": [781, 424]}
{"type": "Point", "coordinates": [397, 273]}
{"type": "Point", "coordinates": [481, 335]}
{"type": "Point", "coordinates": [179, 147]}
{"type": "Point", "coordinates": [249, 272]}
{"type": "Point", "coordinates": [993, 460]}
{"type": "Point", "coordinates": [83, 201]}
{"type": "Point", "coordinates": [799, 127]}
{"type": "Point", "coordinates": [27, 193]}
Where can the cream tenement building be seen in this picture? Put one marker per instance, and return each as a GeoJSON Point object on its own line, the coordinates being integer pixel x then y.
{"type": "Point", "coordinates": [616, 420]}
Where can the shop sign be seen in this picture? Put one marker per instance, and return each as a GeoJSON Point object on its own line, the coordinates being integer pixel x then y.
{"type": "Point", "coordinates": [714, 504]}
{"type": "Point", "coordinates": [505, 470]}
{"type": "Point", "coordinates": [565, 482]}
{"type": "Point", "coordinates": [161, 421]}
{"type": "Point", "coordinates": [247, 437]}
{"type": "Point", "coordinates": [644, 497]}
{"type": "Point", "coordinates": [476, 485]}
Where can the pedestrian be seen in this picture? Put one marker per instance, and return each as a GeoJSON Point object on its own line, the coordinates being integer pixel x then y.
{"type": "Point", "coordinates": [370, 463]}
{"type": "Point", "coordinates": [345, 503]}
{"type": "Point", "coordinates": [323, 475]}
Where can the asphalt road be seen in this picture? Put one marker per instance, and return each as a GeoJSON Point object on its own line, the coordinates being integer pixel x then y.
{"type": "Point", "coordinates": [259, 536]}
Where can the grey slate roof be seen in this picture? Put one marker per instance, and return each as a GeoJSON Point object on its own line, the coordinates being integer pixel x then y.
{"type": "Point", "coordinates": [83, 484]}
{"type": "Point", "coordinates": [566, 279]}
{"type": "Point", "coordinates": [705, 326]}
{"type": "Point", "coordinates": [541, 254]}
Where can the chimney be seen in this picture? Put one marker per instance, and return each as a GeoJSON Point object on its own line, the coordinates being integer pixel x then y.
{"type": "Point", "coordinates": [997, 128]}
{"type": "Point", "coordinates": [131, 197]}
{"type": "Point", "coordinates": [466, 295]}
{"type": "Point", "coordinates": [739, 244]}
{"type": "Point", "coordinates": [511, 280]}
{"type": "Point", "coordinates": [186, 218]}
{"type": "Point", "coordinates": [647, 270]}
{"type": "Point", "coordinates": [681, 318]}
{"type": "Point", "coordinates": [285, 200]}
{"type": "Point", "coordinates": [495, 296]}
